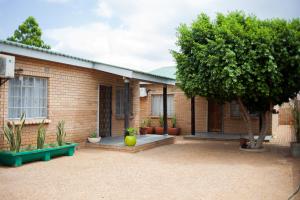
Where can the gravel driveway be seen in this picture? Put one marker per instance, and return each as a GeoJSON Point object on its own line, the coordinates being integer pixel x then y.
{"type": "Point", "coordinates": [185, 170]}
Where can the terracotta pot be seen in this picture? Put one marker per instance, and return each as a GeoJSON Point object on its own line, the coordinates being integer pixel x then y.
{"type": "Point", "coordinates": [159, 130]}
{"type": "Point", "coordinates": [143, 130]}
{"type": "Point", "coordinates": [243, 142]}
{"type": "Point", "coordinates": [149, 130]}
{"type": "Point", "coordinates": [173, 131]}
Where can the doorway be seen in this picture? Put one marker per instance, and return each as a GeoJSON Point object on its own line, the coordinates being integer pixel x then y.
{"type": "Point", "coordinates": [105, 110]}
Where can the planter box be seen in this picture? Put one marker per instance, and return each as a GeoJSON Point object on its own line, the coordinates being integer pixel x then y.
{"type": "Point", "coordinates": [173, 131]}
{"type": "Point", "coordinates": [159, 130]}
{"type": "Point", "coordinates": [146, 130]}
{"type": "Point", "coordinates": [17, 159]}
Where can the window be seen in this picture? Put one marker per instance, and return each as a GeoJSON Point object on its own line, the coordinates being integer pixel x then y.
{"type": "Point", "coordinates": [234, 109]}
{"type": "Point", "coordinates": [120, 92]}
{"type": "Point", "coordinates": [27, 95]}
{"type": "Point", "coordinates": [157, 105]}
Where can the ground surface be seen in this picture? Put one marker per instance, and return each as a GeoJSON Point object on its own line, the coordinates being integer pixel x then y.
{"type": "Point", "coordinates": [185, 170]}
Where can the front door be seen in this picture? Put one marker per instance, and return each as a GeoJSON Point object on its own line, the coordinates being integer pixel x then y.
{"type": "Point", "coordinates": [105, 110]}
{"type": "Point", "coordinates": [214, 116]}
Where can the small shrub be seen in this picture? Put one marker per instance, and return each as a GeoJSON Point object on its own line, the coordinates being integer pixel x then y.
{"type": "Point", "coordinates": [161, 121]}
{"type": "Point", "coordinates": [131, 131]}
{"type": "Point", "coordinates": [174, 121]}
{"type": "Point", "coordinates": [13, 134]}
{"type": "Point", "coordinates": [60, 133]}
{"type": "Point", "coordinates": [41, 136]}
{"type": "Point", "coordinates": [93, 135]}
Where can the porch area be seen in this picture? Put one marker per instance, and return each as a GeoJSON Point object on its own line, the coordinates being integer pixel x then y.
{"type": "Point", "coordinates": [144, 142]}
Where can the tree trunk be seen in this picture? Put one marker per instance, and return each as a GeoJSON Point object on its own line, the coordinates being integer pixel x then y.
{"type": "Point", "coordinates": [265, 127]}
{"type": "Point", "coordinates": [247, 119]}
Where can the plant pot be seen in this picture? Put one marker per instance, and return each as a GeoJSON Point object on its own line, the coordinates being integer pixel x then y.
{"type": "Point", "coordinates": [17, 159]}
{"type": "Point", "coordinates": [173, 131]}
{"type": "Point", "coordinates": [143, 130]}
{"type": "Point", "coordinates": [159, 130]}
{"type": "Point", "coordinates": [130, 140]}
{"type": "Point", "coordinates": [94, 140]}
{"type": "Point", "coordinates": [295, 149]}
{"type": "Point", "coordinates": [149, 130]}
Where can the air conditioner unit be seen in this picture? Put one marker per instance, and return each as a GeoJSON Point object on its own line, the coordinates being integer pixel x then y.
{"type": "Point", "coordinates": [7, 66]}
{"type": "Point", "coordinates": [143, 92]}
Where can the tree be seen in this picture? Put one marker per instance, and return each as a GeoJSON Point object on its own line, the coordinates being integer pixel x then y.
{"type": "Point", "coordinates": [239, 57]}
{"type": "Point", "coordinates": [29, 33]}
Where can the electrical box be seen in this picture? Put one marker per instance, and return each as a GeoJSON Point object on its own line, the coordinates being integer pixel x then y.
{"type": "Point", "coordinates": [7, 66]}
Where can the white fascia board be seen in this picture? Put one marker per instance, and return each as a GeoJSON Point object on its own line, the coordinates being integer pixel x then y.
{"type": "Point", "coordinates": [152, 78]}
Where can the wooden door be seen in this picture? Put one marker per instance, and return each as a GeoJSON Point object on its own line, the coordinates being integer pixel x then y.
{"type": "Point", "coordinates": [214, 116]}
{"type": "Point", "coordinates": [105, 110]}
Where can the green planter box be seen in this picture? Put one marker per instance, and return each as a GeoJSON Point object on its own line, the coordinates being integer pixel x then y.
{"type": "Point", "coordinates": [17, 159]}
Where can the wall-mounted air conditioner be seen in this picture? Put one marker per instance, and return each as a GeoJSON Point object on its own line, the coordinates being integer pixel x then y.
{"type": "Point", "coordinates": [143, 92]}
{"type": "Point", "coordinates": [7, 66]}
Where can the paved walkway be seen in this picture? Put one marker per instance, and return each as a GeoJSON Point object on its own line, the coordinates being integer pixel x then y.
{"type": "Point", "coordinates": [185, 170]}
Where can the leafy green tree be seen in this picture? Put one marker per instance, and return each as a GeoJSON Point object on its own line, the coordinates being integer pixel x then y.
{"type": "Point", "coordinates": [239, 57]}
{"type": "Point", "coordinates": [29, 33]}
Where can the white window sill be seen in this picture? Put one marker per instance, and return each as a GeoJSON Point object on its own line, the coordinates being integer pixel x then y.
{"type": "Point", "coordinates": [29, 121]}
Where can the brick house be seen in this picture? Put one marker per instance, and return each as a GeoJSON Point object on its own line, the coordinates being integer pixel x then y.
{"type": "Point", "coordinates": [210, 117]}
{"type": "Point", "coordinates": [89, 96]}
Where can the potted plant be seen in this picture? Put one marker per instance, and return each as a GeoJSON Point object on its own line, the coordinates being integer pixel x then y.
{"type": "Point", "coordinates": [130, 136]}
{"type": "Point", "coordinates": [143, 128]}
{"type": "Point", "coordinates": [93, 138]}
{"type": "Point", "coordinates": [146, 127]}
{"type": "Point", "coordinates": [174, 130]}
{"type": "Point", "coordinates": [295, 146]}
{"type": "Point", "coordinates": [160, 130]}
{"type": "Point", "coordinates": [16, 156]}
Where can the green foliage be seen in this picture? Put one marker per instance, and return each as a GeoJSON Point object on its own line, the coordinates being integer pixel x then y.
{"type": "Point", "coordinates": [174, 121]}
{"type": "Point", "coordinates": [161, 121]}
{"type": "Point", "coordinates": [131, 131]}
{"type": "Point", "coordinates": [93, 135]}
{"type": "Point", "coordinates": [60, 133]}
{"type": "Point", "coordinates": [29, 33]}
{"type": "Point", "coordinates": [240, 56]}
{"type": "Point", "coordinates": [13, 134]}
{"type": "Point", "coordinates": [41, 136]}
{"type": "Point", "coordinates": [295, 106]}
{"type": "Point", "coordinates": [146, 123]}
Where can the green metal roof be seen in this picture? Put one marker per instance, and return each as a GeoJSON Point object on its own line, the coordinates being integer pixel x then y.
{"type": "Point", "coordinates": [36, 52]}
{"type": "Point", "coordinates": [169, 72]}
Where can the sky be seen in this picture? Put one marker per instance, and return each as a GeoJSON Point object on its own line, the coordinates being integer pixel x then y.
{"type": "Point", "coordinates": [137, 34]}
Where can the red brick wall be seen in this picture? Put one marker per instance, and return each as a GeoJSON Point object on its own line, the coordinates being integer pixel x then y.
{"type": "Point", "coordinates": [72, 96]}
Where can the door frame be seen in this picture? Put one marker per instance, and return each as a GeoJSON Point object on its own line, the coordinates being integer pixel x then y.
{"type": "Point", "coordinates": [98, 107]}
{"type": "Point", "coordinates": [222, 119]}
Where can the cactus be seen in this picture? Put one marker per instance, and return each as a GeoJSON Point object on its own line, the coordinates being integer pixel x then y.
{"type": "Point", "coordinates": [41, 136]}
{"type": "Point", "coordinates": [60, 133]}
{"type": "Point", "coordinates": [13, 134]}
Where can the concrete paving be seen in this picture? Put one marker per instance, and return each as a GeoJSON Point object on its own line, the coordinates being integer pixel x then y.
{"type": "Point", "coordinates": [184, 170]}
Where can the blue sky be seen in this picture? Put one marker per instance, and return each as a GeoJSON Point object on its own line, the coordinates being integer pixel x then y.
{"type": "Point", "coordinates": [131, 33]}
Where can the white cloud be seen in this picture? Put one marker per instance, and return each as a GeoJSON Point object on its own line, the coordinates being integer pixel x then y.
{"type": "Point", "coordinates": [103, 10]}
{"type": "Point", "coordinates": [58, 1]}
{"type": "Point", "coordinates": [139, 34]}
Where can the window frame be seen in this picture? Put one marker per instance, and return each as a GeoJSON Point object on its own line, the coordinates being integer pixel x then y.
{"type": "Point", "coordinates": [121, 102]}
{"type": "Point", "coordinates": [22, 99]}
{"type": "Point", "coordinates": [173, 106]}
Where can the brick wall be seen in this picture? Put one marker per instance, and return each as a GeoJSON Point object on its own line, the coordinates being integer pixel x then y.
{"type": "Point", "coordinates": [182, 108]}
{"type": "Point", "coordinates": [72, 96]}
